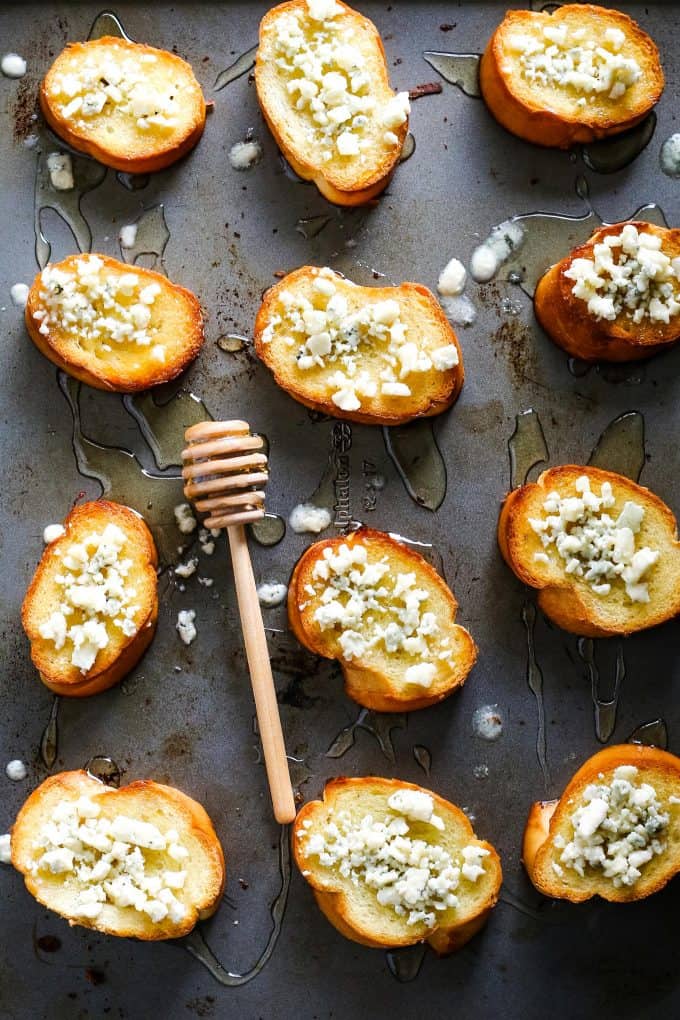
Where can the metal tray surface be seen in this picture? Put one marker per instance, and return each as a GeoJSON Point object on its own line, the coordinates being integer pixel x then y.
{"type": "Point", "coordinates": [185, 715]}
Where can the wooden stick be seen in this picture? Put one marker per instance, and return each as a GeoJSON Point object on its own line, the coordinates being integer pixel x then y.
{"type": "Point", "coordinates": [257, 652]}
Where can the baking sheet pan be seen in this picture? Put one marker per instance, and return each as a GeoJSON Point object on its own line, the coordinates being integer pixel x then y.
{"type": "Point", "coordinates": [185, 715]}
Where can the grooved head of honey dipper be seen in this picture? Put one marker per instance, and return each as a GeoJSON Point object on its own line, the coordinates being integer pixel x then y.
{"type": "Point", "coordinates": [224, 471]}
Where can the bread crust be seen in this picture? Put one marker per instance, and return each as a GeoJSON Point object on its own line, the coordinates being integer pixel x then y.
{"type": "Point", "coordinates": [566, 599]}
{"type": "Point", "coordinates": [365, 682]}
{"type": "Point", "coordinates": [141, 799]}
{"type": "Point", "coordinates": [335, 902]}
{"type": "Point", "coordinates": [154, 152]}
{"type": "Point", "coordinates": [442, 389]}
{"type": "Point", "coordinates": [561, 123]}
{"type": "Point", "coordinates": [124, 371]}
{"type": "Point", "coordinates": [547, 817]}
{"type": "Point", "coordinates": [122, 652]}
{"type": "Point", "coordinates": [567, 321]}
{"type": "Point", "coordinates": [334, 186]}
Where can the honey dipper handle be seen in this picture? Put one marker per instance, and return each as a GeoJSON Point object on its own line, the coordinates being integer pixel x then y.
{"type": "Point", "coordinates": [257, 652]}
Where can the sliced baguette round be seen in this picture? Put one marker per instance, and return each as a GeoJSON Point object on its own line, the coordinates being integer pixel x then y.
{"type": "Point", "coordinates": [353, 909]}
{"type": "Point", "coordinates": [376, 680]}
{"type": "Point", "coordinates": [550, 114]}
{"type": "Point", "coordinates": [44, 596]}
{"type": "Point", "coordinates": [176, 324]}
{"type": "Point", "coordinates": [569, 600]}
{"type": "Point", "coordinates": [548, 819]}
{"type": "Point", "coordinates": [344, 180]}
{"type": "Point", "coordinates": [113, 136]}
{"type": "Point", "coordinates": [568, 322]}
{"type": "Point", "coordinates": [432, 391]}
{"type": "Point", "coordinates": [143, 800]}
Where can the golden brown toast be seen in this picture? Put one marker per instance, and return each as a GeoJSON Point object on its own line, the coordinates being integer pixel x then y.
{"type": "Point", "coordinates": [377, 355]}
{"type": "Point", "coordinates": [113, 326]}
{"type": "Point", "coordinates": [561, 838]}
{"type": "Point", "coordinates": [572, 75]}
{"type": "Point", "coordinates": [322, 84]}
{"type": "Point", "coordinates": [464, 872]}
{"type": "Point", "coordinates": [132, 107]}
{"type": "Point", "coordinates": [90, 611]}
{"type": "Point", "coordinates": [571, 298]}
{"type": "Point", "coordinates": [386, 615]}
{"type": "Point", "coordinates": [87, 851]}
{"type": "Point", "coordinates": [566, 593]}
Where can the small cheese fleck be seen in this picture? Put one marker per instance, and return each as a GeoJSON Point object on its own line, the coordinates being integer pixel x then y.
{"type": "Point", "coordinates": [185, 625]}
{"type": "Point", "coordinates": [306, 517]}
{"type": "Point", "coordinates": [5, 848]}
{"type": "Point", "coordinates": [128, 235]}
{"type": "Point", "coordinates": [16, 770]}
{"type": "Point", "coordinates": [184, 518]}
{"type": "Point", "coordinates": [52, 532]}
{"type": "Point", "coordinates": [244, 155]}
{"type": "Point", "coordinates": [272, 593]}
{"type": "Point", "coordinates": [452, 278]}
{"type": "Point", "coordinates": [60, 169]}
{"type": "Point", "coordinates": [19, 294]}
{"type": "Point", "coordinates": [13, 65]}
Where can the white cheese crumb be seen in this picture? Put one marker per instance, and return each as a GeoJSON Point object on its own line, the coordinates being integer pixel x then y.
{"type": "Point", "coordinates": [487, 722]}
{"type": "Point", "coordinates": [19, 294]}
{"type": "Point", "coordinates": [416, 805]}
{"type": "Point", "coordinates": [307, 517]}
{"type": "Point", "coordinates": [452, 278]}
{"type": "Point", "coordinates": [60, 169]}
{"type": "Point", "coordinates": [52, 532]}
{"type": "Point", "coordinates": [245, 155]}
{"type": "Point", "coordinates": [272, 593]}
{"type": "Point", "coordinates": [422, 674]}
{"type": "Point", "coordinates": [184, 517]}
{"type": "Point", "coordinates": [185, 625]}
{"type": "Point", "coordinates": [186, 569]}
{"type": "Point", "coordinates": [16, 770]}
{"type": "Point", "coordinates": [5, 848]}
{"type": "Point", "coordinates": [13, 66]}
{"type": "Point", "coordinates": [128, 235]}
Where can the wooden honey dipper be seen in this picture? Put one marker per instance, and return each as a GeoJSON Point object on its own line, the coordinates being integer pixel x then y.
{"type": "Point", "coordinates": [223, 473]}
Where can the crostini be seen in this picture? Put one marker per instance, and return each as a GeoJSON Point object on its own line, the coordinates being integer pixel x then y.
{"type": "Point", "coordinates": [322, 84]}
{"type": "Point", "coordinates": [576, 74]}
{"type": "Point", "coordinates": [377, 355]}
{"type": "Point", "coordinates": [616, 297]}
{"type": "Point", "coordinates": [113, 326]}
{"type": "Point", "coordinates": [601, 550]}
{"type": "Point", "coordinates": [90, 611]}
{"type": "Point", "coordinates": [139, 862]}
{"type": "Point", "coordinates": [614, 832]}
{"type": "Point", "coordinates": [392, 864]}
{"type": "Point", "coordinates": [132, 107]}
{"type": "Point", "coordinates": [386, 615]}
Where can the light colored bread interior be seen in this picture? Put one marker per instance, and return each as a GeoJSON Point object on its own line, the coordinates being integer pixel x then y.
{"type": "Point", "coordinates": [569, 600]}
{"type": "Point", "coordinates": [547, 821]}
{"type": "Point", "coordinates": [176, 324]}
{"type": "Point", "coordinates": [376, 680]}
{"type": "Point", "coordinates": [113, 136]}
{"type": "Point", "coordinates": [143, 800]}
{"type": "Point", "coordinates": [44, 597]}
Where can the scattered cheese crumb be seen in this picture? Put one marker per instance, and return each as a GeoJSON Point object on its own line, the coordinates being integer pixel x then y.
{"type": "Point", "coordinates": [52, 532]}
{"type": "Point", "coordinates": [452, 278]}
{"type": "Point", "coordinates": [16, 770]}
{"type": "Point", "coordinates": [244, 155]}
{"type": "Point", "coordinates": [272, 593]}
{"type": "Point", "coordinates": [19, 294]}
{"type": "Point", "coordinates": [307, 517]}
{"type": "Point", "coordinates": [5, 848]}
{"type": "Point", "coordinates": [184, 517]}
{"type": "Point", "coordinates": [185, 625]}
{"type": "Point", "coordinates": [13, 66]}
{"type": "Point", "coordinates": [60, 169]}
{"type": "Point", "coordinates": [128, 235]}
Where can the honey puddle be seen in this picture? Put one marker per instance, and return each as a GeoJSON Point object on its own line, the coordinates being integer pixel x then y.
{"type": "Point", "coordinates": [378, 724]}
{"type": "Point", "coordinates": [526, 447]}
{"type": "Point", "coordinates": [651, 734]}
{"type": "Point", "coordinates": [414, 452]}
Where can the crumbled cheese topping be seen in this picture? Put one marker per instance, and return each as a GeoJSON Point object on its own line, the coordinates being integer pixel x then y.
{"type": "Point", "coordinates": [112, 860]}
{"type": "Point", "coordinates": [417, 878]}
{"type": "Point", "coordinates": [94, 592]}
{"type": "Point", "coordinates": [89, 302]}
{"type": "Point", "coordinates": [567, 58]}
{"type": "Point", "coordinates": [594, 545]}
{"type": "Point", "coordinates": [116, 82]}
{"type": "Point", "coordinates": [317, 52]}
{"type": "Point", "coordinates": [628, 274]}
{"type": "Point", "coordinates": [369, 606]}
{"type": "Point", "coordinates": [617, 828]}
{"type": "Point", "coordinates": [327, 333]}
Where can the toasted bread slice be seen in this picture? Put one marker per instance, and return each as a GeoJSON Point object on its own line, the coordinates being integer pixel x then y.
{"type": "Point", "coordinates": [132, 107]}
{"type": "Point", "coordinates": [322, 84]}
{"type": "Point", "coordinates": [376, 912]}
{"type": "Point", "coordinates": [73, 825]}
{"type": "Point", "coordinates": [99, 577]}
{"type": "Point", "coordinates": [573, 75]}
{"type": "Point", "coordinates": [643, 591]}
{"type": "Point", "coordinates": [596, 317]}
{"type": "Point", "coordinates": [386, 615]}
{"type": "Point", "coordinates": [113, 326]}
{"type": "Point", "coordinates": [559, 849]}
{"type": "Point", "coordinates": [377, 355]}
